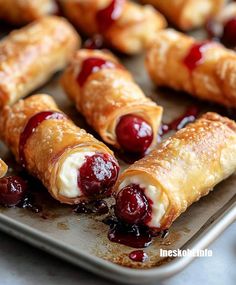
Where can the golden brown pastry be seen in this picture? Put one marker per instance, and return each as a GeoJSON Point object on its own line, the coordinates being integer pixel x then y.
{"type": "Point", "coordinates": [21, 12]}
{"type": "Point", "coordinates": [203, 69]}
{"type": "Point", "coordinates": [31, 55]}
{"type": "Point", "coordinates": [71, 163]}
{"type": "Point", "coordinates": [155, 190]}
{"type": "Point", "coordinates": [187, 14]}
{"type": "Point", "coordinates": [3, 168]}
{"type": "Point", "coordinates": [126, 26]}
{"type": "Point", "coordinates": [112, 103]}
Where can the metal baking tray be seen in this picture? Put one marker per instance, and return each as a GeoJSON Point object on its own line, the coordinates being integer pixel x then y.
{"type": "Point", "coordinates": [82, 239]}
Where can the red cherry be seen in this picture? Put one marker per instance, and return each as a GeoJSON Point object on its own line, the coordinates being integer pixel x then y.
{"type": "Point", "coordinates": [12, 190]}
{"type": "Point", "coordinates": [134, 134]}
{"type": "Point", "coordinates": [195, 55]}
{"type": "Point", "coordinates": [109, 14]}
{"type": "Point", "coordinates": [132, 206]}
{"type": "Point", "coordinates": [229, 33]}
{"type": "Point", "coordinates": [98, 174]}
{"type": "Point", "coordinates": [91, 65]}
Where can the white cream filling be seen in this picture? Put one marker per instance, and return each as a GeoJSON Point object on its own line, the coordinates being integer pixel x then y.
{"type": "Point", "coordinates": [158, 208]}
{"type": "Point", "coordinates": [67, 180]}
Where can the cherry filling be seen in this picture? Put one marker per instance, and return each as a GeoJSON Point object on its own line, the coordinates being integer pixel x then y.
{"type": "Point", "coordinates": [91, 65]}
{"type": "Point", "coordinates": [105, 17]}
{"type": "Point", "coordinates": [31, 126]}
{"type": "Point", "coordinates": [12, 190]}
{"type": "Point", "coordinates": [132, 206]}
{"type": "Point", "coordinates": [229, 33]}
{"type": "Point", "coordinates": [195, 55]}
{"type": "Point", "coordinates": [134, 134]}
{"type": "Point", "coordinates": [98, 174]}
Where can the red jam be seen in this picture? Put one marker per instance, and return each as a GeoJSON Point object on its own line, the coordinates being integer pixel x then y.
{"type": "Point", "coordinates": [12, 190]}
{"type": "Point", "coordinates": [31, 127]}
{"type": "Point", "coordinates": [132, 206]}
{"type": "Point", "coordinates": [107, 16]}
{"type": "Point", "coordinates": [189, 116]}
{"type": "Point", "coordinates": [91, 65]}
{"type": "Point", "coordinates": [195, 55]}
{"type": "Point", "coordinates": [98, 174]}
{"type": "Point", "coordinates": [134, 134]}
{"type": "Point", "coordinates": [138, 256]}
{"type": "Point", "coordinates": [136, 236]}
{"type": "Point", "coordinates": [229, 33]}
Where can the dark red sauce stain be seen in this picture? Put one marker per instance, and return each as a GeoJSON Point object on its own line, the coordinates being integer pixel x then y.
{"type": "Point", "coordinates": [189, 116]}
{"type": "Point", "coordinates": [138, 256]}
{"type": "Point", "coordinates": [91, 65]}
{"type": "Point", "coordinates": [31, 126]}
{"type": "Point", "coordinates": [195, 55]}
{"type": "Point", "coordinates": [130, 235]}
{"type": "Point", "coordinates": [95, 207]}
{"type": "Point", "coordinates": [107, 16]}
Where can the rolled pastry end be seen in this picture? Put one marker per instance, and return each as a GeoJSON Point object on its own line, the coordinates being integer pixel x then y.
{"type": "Point", "coordinates": [86, 174]}
{"type": "Point", "coordinates": [141, 202]}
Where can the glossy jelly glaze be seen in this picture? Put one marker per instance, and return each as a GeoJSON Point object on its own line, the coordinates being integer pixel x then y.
{"type": "Point", "coordinates": [31, 127]}
{"type": "Point", "coordinates": [108, 15]}
{"type": "Point", "coordinates": [195, 56]}
{"type": "Point", "coordinates": [91, 65]}
{"type": "Point", "coordinates": [189, 116]}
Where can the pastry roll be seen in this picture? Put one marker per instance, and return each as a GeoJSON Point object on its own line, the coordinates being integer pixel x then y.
{"type": "Point", "coordinates": [112, 103]}
{"type": "Point", "coordinates": [21, 12]}
{"type": "Point", "coordinates": [203, 69]}
{"type": "Point", "coordinates": [71, 163]}
{"type": "Point", "coordinates": [155, 190]}
{"type": "Point", "coordinates": [3, 168]}
{"type": "Point", "coordinates": [31, 55]}
{"type": "Point", "coordinates": [187, 14]}
{"type": "Point", "coordinates": [126, 26]}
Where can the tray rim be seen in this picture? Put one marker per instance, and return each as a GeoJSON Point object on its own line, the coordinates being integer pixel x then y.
{"type": "Point", "coordinates": [212, 228]}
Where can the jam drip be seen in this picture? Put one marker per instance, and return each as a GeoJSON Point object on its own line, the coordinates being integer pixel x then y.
{"type": "Point", "coordinates": [138, 256]}
{"type": "Point", "coordinates": [31, 127]}
{"type": "Point", "coordinates": [135, 236]}
{"type": "Point", "coordinates": [91, 65]}
{"type": "Point", "coordinates": [98, 174]}
{"type": "Point", "coordinates": [189, 116]}
{"type": "Point", "coordinates": [195, 55]}
{"type": "Point", "coordinates": [107, 16]}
